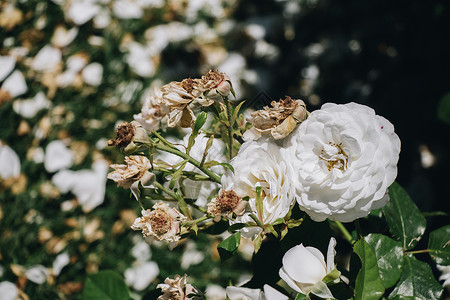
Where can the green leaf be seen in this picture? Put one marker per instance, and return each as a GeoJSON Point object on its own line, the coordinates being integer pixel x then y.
{"type": "Point", "coordinates": [177, 174]}
{"type": "Point", "coordinates": [199, 122]}
{"type": "Point", "coordinates": [405, 220]}
{"type": "Point", "coordinates": [439, 245]}
{"type": "Point", "coordinates": [294, 223]}
{"type": "Point", "coordinates": [257, 242]}
{"type": "Point", "coordinates": [105, 285]}
{"type": "Point", "coordinates": [417, 281]}
{"type": "Point", "coordinates": [215, 163]}
{"type": "Point", "coordinates": [236, 111]}
{"type": "Point", "coordinates": [235, 227]}
{"type": "Point", "coordinates": [368, 283]}
{"type": "Point", "coordinates": [300, 296]}
{"type": "Point", "coordinates": [229, 246]}
{"type": "Point", "coordinates": [443, 110]}
{"type": "Point", "coordinates": [389, 256]}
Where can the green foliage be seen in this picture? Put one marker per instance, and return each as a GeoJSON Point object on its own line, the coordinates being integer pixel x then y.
{"type": "Point", "coordinates": [417, 281]}
{"type": "Point", "coordinates": [443, 109]}
{"type": "Point", "coordinates": [439, 245]}
{"type": "Point", "coordinates": [368, 283]}
{"type": "Point", "coordinates": [389, 255]}
{"type": "Point", "coordinates": [229, 246]}
{"type": "Point", "coordinates": [105, 285]}
{"type": "Point", "coordinates": [405, 220]}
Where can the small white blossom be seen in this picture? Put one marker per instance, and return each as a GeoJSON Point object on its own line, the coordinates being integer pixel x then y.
{"type": "Point", "coordinates": [304, 269]}
{"type": "Point", "coordinates": [57, 156]}
{"type": "Point", "coordinates": [8, 290]}
{"type": "Point", "coordinates": [37, 274]}
{"type": "Point", "coordinates": [7, 64]}
{"type": "Point", "coordinates": [140, 276]}
{"type": "Point", "coordinates": [28, 108]}
{"type": "Point", "coordinates": [47, 59]}
{"type": "Point", "coordinates": [15, 84]}
{"type": "Point", "coordinates": [10, 162]}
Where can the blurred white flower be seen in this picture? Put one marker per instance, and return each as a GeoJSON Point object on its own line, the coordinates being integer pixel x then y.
{"type": "Point", "coordinates": [215, 292]}
{"type": "Point", "coordinates": [47, 59]}
{"type": "Point", "coordinates": [140, 276]}
{"type": "Point", "coordinates": [345, 158]}
{"type": "Point", "coordinates": [92, 74]}
{"type": "Point", "coordinates": [87, 185]}
{"type": "Point", "coordinates": [261, 163]}
{"type": "Point", "coordinates": [37, 274]}
{"type": "Point", "coordinates": [57, 156]}
{"type": "Point", "coordinates": [60, 262]}
{"type": "Point", "coordinates": [445, 270]}
{"type": "Point", "coordinates": [63, 37]}
{"type": "Point", "coordinates": [304, 269]}
{"type": "Point", "coordinates": [127, 9]}
{"type": "Point", "coordinates": [140, 60]}
{"type": "Point", "coordinates": [15, 84]}
{"type": "Point", "coordinates": [102, 19]}
{"type": "Point", "coordinates": [7, 64]}
{"type": "Point", "coordinates": [81, 11]}
{"type": "Point", "coordinates": [8, 290]}
{"type": "Point", "coordinates": [141, 251]}
{"type": "Point", "coordinates": [191, 256]}
{"type": "Point", "coordinates": [28, 108]}
{"type": "Point", "coordinates": [10, 162]}
{"type": "Point", "coordinates": [152, 111]}
{"type": "Point", "coordinates": [242, 293]}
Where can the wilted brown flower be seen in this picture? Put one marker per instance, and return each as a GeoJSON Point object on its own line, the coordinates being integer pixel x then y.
{"type": "Point", "coordinates": [129, 175]}
{"type": "Point", "coordinates": [127, 134]}
{"type": "Point", "coordinates": [215, 85]}
{"type": "Point", "coordinates": [163, 222]}
{"type": "Point", "coordinates": [176, 289]}
{"type": "Point", "coordinates": [10, 16]}
{"type": "Point", "coordinates": [225, 204]}
{"type": "Point", "coordinates": [278, 120]}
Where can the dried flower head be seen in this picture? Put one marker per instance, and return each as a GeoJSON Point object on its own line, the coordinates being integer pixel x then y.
{"type": "Point", "coordinates": [129, 175]}
{"type": "Point", "coordinates": [225, 204]}
{"type": "Point", "coordinates": [163, 222]}
{"type": "Point", "coordinates": [215, 85]}
{"type": "Point", "coordinates": [181, 98]}
{"type": "Point", "coordinates": [278, 120]}
{"type": "Point", "coordinates": [127, 134]}
{"type": "Point", "coordinates": [176, 289]}
{"type": "Point", "coordinates": [152, 111]}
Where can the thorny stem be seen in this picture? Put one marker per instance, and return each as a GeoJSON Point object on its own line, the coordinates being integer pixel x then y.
{"type": "Point", "coordinates": [230, 127]}
{"type": "Point", "coordinates": [189, 223]}
{"type": "Point", "coordinates": [193, 161]}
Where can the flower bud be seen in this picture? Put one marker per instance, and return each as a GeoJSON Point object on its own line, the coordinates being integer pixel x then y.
{"type": "Point", "coordinates": [216, 85]}
{"type": "Point", "coordinates": [127, 134]}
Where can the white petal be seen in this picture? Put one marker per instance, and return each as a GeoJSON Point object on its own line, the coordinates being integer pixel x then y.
{"type": "Point", "coordinates": [37, 274]}
{"type": "Point", "coordinates": [47, 59]}
{"type": "Point", "coordinates": [331, 253]}
{"type": "Point", "coordinates": [240, 293]}
{"type": "Point", "coordinates": [57, 156]}
{"type": "Point", "coordinates": [15, 84]}
{"type": "Point", "coordinates": [63, 37]}
{"type": "Point", "coordinates": [272, 294]}
{"type": "Point", "coordinates": [60, 262]}
{"type": "Point", "coordinates": [64, 180]}
{"type": "Point", "coordinates": [303, 266]}
{"type": "Point", "coordinates": [8, 290]}
{"type": "Point", "coordinates": [10, 162]}
{"type": "Point", "coordinates": [141, 251]}
{"type": "Point", "coordinates": [93, 74]}
{"type": "Point", "coordinates": [140, 277]}
{"type": "Point", "coordinates": [215, 292]}
{"type": "Point", "coordinates": [7, 64]}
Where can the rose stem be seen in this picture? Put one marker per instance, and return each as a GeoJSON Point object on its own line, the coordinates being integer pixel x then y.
{"type": "Point", "coordinates": [230, 129]}
{"type": "Point", "coordinates": [344, 231]}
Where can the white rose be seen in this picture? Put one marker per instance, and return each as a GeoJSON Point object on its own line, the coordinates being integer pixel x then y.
{"type": "Point", "coordinates": [304, 269]}
{"type": "Point", "coordinates": [261, 163]}
{"type": "Point", "coordinates": [345, 157]}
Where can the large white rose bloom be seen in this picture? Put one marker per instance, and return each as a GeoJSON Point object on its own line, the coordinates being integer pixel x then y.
{"type": "Point", "coordinates": [261, 163]}
{"type": "Point", "coordinates": [345, 157]}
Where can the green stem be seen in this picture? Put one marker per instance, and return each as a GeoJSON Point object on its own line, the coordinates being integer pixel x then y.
{"type": "Point", "coordinates": [358, 228]}
{"type": "Point", "coordinates": [344, 231]}
{"type": "Point", "coordinates": [189, 223]}
{"type": "Point", "coordinates": [419, 251]}
{"type": "Point", "coordinates": [258, 221]}
{"type": "Point", "coordinates": [167, 191]}
{"type": "Point", "coordinates": [230, 127]}
{"type": "Point", "coordinates": [163, 140]}
{"type": "Point", "coordinates": [193, 161]}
